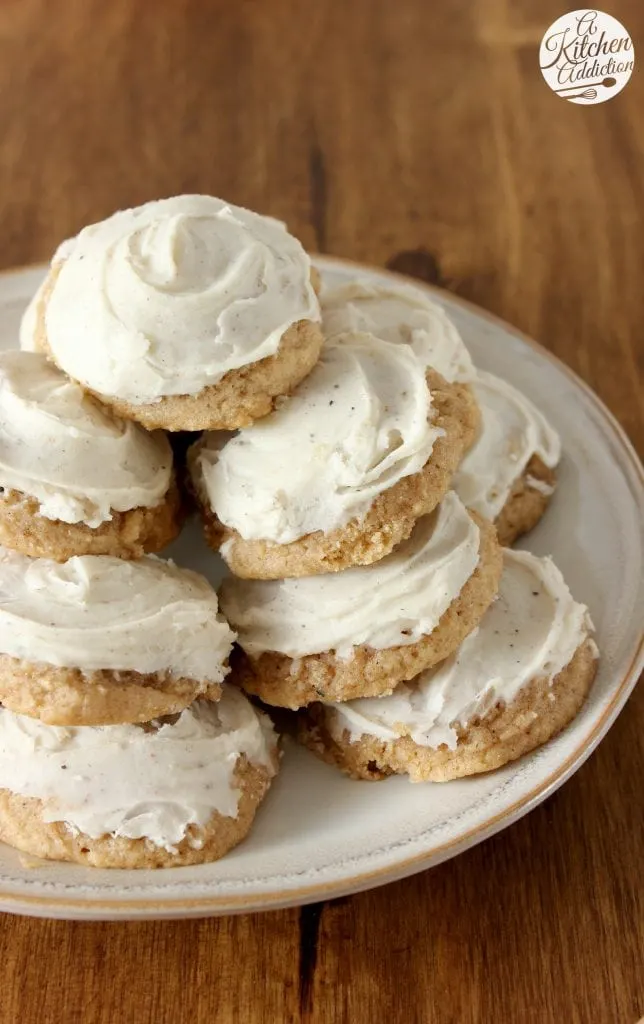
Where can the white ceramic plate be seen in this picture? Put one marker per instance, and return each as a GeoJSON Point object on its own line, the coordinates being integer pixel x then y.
{"type": "Point", "coordinates": [319, 834]}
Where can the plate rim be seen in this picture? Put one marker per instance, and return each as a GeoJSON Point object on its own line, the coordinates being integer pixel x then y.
{"type": "Point", "coordinates": [90, 908]}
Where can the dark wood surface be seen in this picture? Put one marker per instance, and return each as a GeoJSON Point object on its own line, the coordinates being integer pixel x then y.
{"type": "Point", "coordinates": [420, 136]}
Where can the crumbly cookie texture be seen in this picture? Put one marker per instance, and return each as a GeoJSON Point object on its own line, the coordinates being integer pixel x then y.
{"type": "Point", "coordinates": [294, 683]}
{"type": "Point", "coordinates": [128, 535]}
{"type": "Point", "coordinates": [240, 397]}
{"type": "Point", "coordinates": [390, 519]}
{"type": "Point", "coordinates": [526, 504]}
{"type": "Point", "coordinates": [22, 826]}
{"type": "Point", "coordinates": [67, 696]}
{"type": "Point", "coordinates": [541, 710]}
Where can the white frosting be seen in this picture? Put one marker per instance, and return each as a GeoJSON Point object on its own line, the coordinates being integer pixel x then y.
{"type": "Point", "coordinates": [133, 781]}
{"type": "Point", "coordinates": [403, 314]}
{"type": "Point", "coordinates": [358, 424]}
{"type": "Point", "coordinates": [27, 331]}
{"type": "Point", "coordinates": [166, 298]}
{"type": "Point", "coordinates": [97, 612]}
{"type": "Point", "coordinates": [512, 431]}
{"type": "Point", "coordinates": [531, 631]}
{"type": "Point", "coordinates": [539, 485]}
{"type": "Point", "coordinates": [393, 602]}
{"type": "Point", "coordinates": [61, 447]}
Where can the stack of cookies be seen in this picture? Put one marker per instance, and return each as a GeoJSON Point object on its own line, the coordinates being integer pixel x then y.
{"type": "Point", "coordinates": [119, 746]}
{"type": "Point", "coordinates": [364, 520]}
{"type": "Point", "coordinates": [360, 479]}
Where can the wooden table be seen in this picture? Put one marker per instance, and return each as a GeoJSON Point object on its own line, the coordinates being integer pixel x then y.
{"type": "Point", "coordinates": [418, 136]}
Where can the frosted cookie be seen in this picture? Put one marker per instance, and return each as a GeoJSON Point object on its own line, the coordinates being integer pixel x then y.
{"type": "Point", "coordinates": [97, 640]}
{"type": "Point", "coordinates": [340, 473]}
{"type": "Point", "coordinates": [186, 313]}
{"type": "Point", "coordinates": [508, 475]}
{"type": "Point", "coordinates": [514, 683]}
{"type": "Point", "coordinates": [398, 312]}
{"type": "Point", "coordinates": [361, 632]}
{"type": "Point", "coordinates": [74, 479]}
{"type": "Point", "coordinates": [175, 791]}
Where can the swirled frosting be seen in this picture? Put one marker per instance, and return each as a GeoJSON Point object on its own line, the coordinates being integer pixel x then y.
{"type": "Point", "coordinates": [530, 632]}
{"type": "Point", "coordinates": [393, 602]}
{"type": "Point", "coordinates": [166, 298]}
{"type": "Point", "coordinates": [403, 314]}
{"type": "Point", "coordinates": [74, 457]}
{"type": "Point", "coordinates": [359, 423]}
{"type": "Point", "coordinates": [137, 782]}
{"type": "Point", "coordinates": [97, 612]}
{"type": "Point", "coordinates": [512, 430]}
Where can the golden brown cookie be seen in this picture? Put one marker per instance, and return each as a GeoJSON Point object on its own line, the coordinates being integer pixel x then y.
{"type": "Point", "coordinates": [22, 826]}
{"type": "Point", "coordinates": [68, 696]}
{"type": "Point", "coordinates": [527, 501]}
{"type": "Point", "coordinates": [389, 521]}
{"type": "Point", "coordinates": [128, 534]}
{"type": "Point", "coordinates": [99, 640]}
{"type": "Point", "coordinates": [541, 710]}
{"type": "Point", "coordinates": [240, 397]}
{"type": "Point", "coordinates": [293, 683]}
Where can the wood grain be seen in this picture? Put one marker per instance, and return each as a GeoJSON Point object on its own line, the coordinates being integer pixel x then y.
{"type": "Point", "coordinates": [419, 136]}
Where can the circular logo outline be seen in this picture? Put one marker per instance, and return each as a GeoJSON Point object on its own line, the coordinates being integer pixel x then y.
{"type": "Point", "coordinates": [586, 57]}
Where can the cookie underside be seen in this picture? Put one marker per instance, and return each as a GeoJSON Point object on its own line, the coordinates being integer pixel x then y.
{"type": "Point", "coordinates": [525, 504]}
